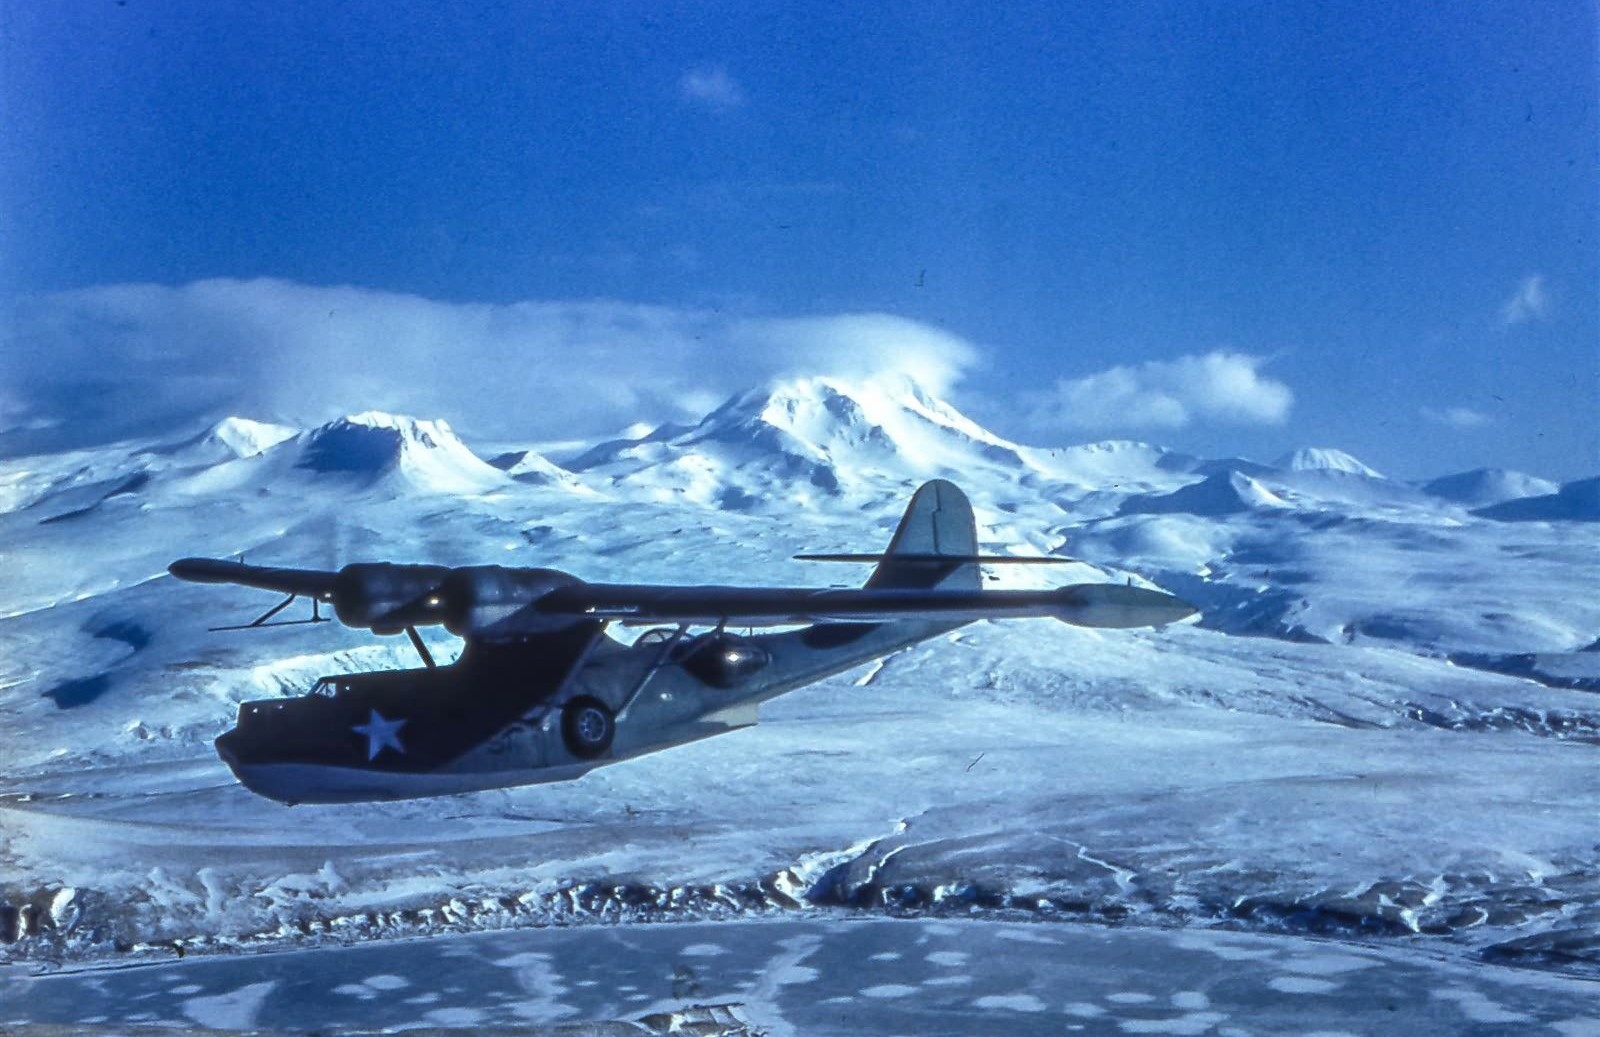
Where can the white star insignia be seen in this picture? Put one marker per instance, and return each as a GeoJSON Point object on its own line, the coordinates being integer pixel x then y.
{"type": "Point", "coordinates": [381, 734]}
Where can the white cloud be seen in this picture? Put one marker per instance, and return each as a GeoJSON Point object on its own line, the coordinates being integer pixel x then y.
{"type": "Point", "coordinates": [712, 87]}
{"type": "Point", "coordinates": [1218, 387]}
{"type": "Point", "coordinates": [125, 359]}
{"type": "Point", "coordinates": [1529, 302]}
{"type": "Point", "coordinates": [861, 345]}
{"type": "Point", "coordinates": [1456, 417]}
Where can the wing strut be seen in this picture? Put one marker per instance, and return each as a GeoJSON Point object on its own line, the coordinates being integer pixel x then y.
{"type": "Point", "coordinates": [654, 667]}
{"type": "Point", "coordinates": [575, 667]}
{"type": "Point", "coordinates": [422, 649]}
{"type": "Point", "coordinates": [262, 620]}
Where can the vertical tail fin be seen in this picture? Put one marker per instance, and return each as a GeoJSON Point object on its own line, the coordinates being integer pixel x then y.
{"type": "Point", "coordinates": [938, 521]}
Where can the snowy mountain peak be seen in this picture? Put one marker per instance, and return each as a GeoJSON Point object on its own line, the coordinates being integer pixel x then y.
{"type": "Point", "coordinates": [1574, 502]}
{"type": "Point", "coordinates": [415, 429]}
{"type": "Point", "coordinates": [1482, 487]}
{"type": "Point", "coordinates": [244, 437]}
{"type": "Point", "coordinates": [1252, 493]}
{"type": "Point", "coordinates": [1324, 459]}
{"type": "Point", "coordinates": [1128, 451]}
{"type": "Point", "coordinates": [374, 444]}
{"type": "Point", "coordinates": [1117, 464]}
{"type": "Point", "coordinates": [811, 410]}
{"type": "Point", "coordinates": [230, 439]}
{"type": "Point", "coordinates": [797, 438]}
{"type": "Point", "coordinates": [890, 411]}
{"type": "Point", "coordinates": [532, 467]}
{"type": "Point", "coordinates": [1224, 493]}
{"type": "Point", "coordinates": [885, 423]}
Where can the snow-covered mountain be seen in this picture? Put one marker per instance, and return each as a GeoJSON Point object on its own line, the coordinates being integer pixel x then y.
{"type": "Point", "coordinates": [534, 469]}
{"type": "Point", "coordinates": [231, 438]}
{"type": "Point", "coordinates": [804, 442]}
{"type": "Point", "coordinates": [1413, 668]}
{"type": "Point", "coordinates": [1117, 466]}
{"type": "Point", "coordinates": [72, 483]}
{"type": "Point", "coordinates": [1225, 493]}
{"type": "Point", "coordinates": [1323, 479]}
{"type": "Point", "coordinates": [1482, 487]}
{"type": "Point", "coordinates": [1324, 459]}
{"type": "Point", "coordinates": [818, 442]}
{"type": "Point", "coordinates": [373, 446]}
{"type": "Point", "coordinates": [1577, 501]}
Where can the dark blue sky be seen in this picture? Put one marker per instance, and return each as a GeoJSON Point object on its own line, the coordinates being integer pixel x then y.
{"type": "Point", "coordinates": [1356, 198]}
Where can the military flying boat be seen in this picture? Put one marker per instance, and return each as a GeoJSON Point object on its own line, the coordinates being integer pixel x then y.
{"type": "Point", "coordinates": [542, 692]}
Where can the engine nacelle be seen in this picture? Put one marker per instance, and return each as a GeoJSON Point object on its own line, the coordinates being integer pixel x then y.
{"type": "Point", "coordinates": [486, 601]}
{"type": "Point", "coordinates": [379, 595]}
{"type": "Point", "coordinates": [491, 601]}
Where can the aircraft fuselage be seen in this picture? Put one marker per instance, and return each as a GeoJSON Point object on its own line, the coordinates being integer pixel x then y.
{"type": "Point", "coordinates": [494, 718]}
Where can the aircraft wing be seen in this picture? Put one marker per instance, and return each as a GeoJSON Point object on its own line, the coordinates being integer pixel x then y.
{"type": "Point", "coordinates": [312, 583]}
{"type": "Point", "coordinates": [1086, 604]}
{"type": "Point", "coordinates": [491, 602]}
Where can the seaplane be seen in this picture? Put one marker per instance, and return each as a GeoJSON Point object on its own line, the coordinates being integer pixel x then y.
{"type": "Point", "coordinates": [542, 691]}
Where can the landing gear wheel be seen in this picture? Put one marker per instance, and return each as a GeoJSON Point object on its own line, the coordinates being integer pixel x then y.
{"type": "Point", "coordinates": [587, 727]}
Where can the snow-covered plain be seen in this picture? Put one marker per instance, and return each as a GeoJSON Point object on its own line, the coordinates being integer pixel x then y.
{"type": "Point", "coordinates": [1383, 728]}
{"type": "Point", "coordinates": [937, 978]}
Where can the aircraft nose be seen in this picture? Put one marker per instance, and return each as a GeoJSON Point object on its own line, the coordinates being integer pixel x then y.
{"type": "Point", "coordinates": [225, 745]}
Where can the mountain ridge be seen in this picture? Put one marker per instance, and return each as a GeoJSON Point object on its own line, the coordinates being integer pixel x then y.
{"type": "Point", "coordinates": [796, 441]}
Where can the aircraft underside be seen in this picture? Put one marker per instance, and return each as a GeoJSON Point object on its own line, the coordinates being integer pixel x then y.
{"type": "Point", "coordinates": [501, 716]}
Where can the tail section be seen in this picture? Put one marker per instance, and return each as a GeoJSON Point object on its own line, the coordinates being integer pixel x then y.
{"type": "Point", "coordinates": [937, 525]}
{"type": "Point", "coordinates": [935, 545]}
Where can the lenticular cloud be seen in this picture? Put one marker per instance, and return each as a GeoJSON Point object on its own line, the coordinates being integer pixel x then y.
{"type": "Point", "coordinates": [97, 363]}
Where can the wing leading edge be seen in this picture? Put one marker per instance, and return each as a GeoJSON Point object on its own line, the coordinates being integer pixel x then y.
{"type": "Point", "coordinates": [1087, 604]}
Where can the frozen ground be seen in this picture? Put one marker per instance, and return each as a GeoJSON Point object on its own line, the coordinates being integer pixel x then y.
{"type": "Point", "coordinates": [826, 977]}
{"type": "Point", "coordinates": [1383, 728]}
